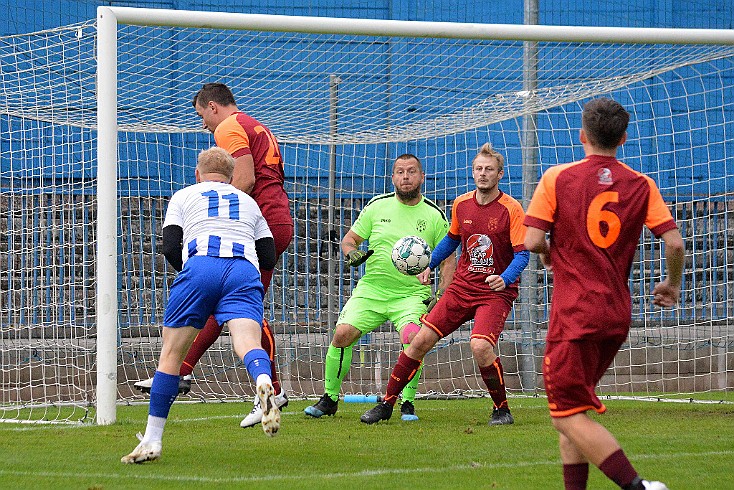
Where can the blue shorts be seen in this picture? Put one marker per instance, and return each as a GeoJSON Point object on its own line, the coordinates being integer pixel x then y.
{"type": "Point", "coordinates": [224, 287]}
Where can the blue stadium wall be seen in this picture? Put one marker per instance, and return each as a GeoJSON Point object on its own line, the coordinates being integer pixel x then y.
{"type": "Point", "coordinates": [695, 178]}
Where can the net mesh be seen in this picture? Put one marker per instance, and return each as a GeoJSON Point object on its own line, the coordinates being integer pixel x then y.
{"type": "Point", "coordinates": [342, 108]}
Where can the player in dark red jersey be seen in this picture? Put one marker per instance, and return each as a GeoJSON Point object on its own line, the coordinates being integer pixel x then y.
{"type": "Point", "coordinates": [488, 225]}
{"type": "Point", "coordinates": [259, 173]}
{"type": "Point", "coordinates": [594, 210]}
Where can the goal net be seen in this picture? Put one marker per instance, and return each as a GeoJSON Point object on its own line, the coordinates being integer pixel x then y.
{"type": "Point", "coordinates": [342, 106]}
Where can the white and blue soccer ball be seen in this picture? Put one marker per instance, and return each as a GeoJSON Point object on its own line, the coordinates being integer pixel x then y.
{"type": "Point", "coordinates": [411, 255]}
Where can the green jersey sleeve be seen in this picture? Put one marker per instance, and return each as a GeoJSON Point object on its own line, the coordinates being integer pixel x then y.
{"type": "Point", "coordinates": [363, 225]}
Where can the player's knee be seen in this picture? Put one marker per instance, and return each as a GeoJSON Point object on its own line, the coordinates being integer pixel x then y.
{"type": "Point", "coordinates": [345, 335]}
{"type": "Point", "coordinates": [483, 351]}
{"type": "Point", "coordinates": [408, 332]}
{"type": "Point", "coordinates": [423, 341]}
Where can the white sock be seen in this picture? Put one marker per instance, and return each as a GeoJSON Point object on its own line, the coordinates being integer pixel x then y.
{"type": "Point", "coordinates": [154, 429]}
{"type": "Point", "coordinates": [263, 379]}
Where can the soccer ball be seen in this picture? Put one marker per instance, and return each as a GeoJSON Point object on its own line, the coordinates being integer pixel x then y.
{"type": "Point", "coordinates": [411, 255]}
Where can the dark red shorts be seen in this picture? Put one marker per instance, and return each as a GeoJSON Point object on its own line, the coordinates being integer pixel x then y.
{"type": "Point", "coordinates": [282, 236]}
{"type": "Point", "coordinates": [571, 371]}
{"type": "Point", "coordinates": [488, 311]}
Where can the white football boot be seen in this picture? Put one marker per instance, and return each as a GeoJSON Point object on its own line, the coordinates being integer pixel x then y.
{"type": "Point", "coordinates": [145, 451]}
{"type": "Point", "coordinates": [654, 485]}
{"type": "Point", "coordinates": [270, 411]}
{"type": "Point", "coordinates": [256, 414]}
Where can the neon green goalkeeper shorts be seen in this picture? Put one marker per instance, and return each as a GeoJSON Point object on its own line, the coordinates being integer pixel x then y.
{"type": "Point", "coordinates": [367, 314]}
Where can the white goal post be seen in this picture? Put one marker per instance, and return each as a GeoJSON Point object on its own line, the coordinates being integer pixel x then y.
{"type": "Point", "coordinates": [101, 132]}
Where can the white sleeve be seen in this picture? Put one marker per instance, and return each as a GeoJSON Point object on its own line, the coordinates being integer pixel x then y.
{"type": "Point", "coordinates": [174, 212]}
{"type": "Point", "coordinates": [261, 228]}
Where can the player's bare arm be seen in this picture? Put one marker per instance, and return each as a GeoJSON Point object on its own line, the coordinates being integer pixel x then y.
{"type": "Point", "coordinates": [447, 268]}
{"type": "Point", "coordinates": [244, 173]}
{"type": "Point", "coordinates": [536, 242]}
{"type": "Point", "coordinates": [667, 292]}
{"type": "Point", "coordinates": [350, 242]}
{"type": "Point", "coordinates": [350, 249]}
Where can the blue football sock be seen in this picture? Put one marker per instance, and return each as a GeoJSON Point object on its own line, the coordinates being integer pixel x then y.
{"type": "Point", "coordinates": [163, 392]}
{"type": "Point", "coordinates": [257, 362]}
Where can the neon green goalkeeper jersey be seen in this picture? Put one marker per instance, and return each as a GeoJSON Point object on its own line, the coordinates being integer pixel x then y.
{"type": "Point", "coordinates": [383, 221]}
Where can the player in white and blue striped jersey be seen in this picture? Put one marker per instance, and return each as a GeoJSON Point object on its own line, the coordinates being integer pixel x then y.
{"type": "Point", "coordinates": [216, 236]}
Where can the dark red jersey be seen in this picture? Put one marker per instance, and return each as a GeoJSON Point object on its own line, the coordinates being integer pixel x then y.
{"type": "Point", "coordinates": [490, 235]}
{"type": "Point", "coordinates": [595, 210]}
{"type": "Point", "coordinates": [241, 134]}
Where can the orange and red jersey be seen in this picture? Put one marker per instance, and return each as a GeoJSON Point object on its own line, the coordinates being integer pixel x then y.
{"type": "Point", "coordinates": [594, 209]}
{"type": "Point", "coordinates": [490, 235]}
{"type": "Point", "coordinates": [241, 134]}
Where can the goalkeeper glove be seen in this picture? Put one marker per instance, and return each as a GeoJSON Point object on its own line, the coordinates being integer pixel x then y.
{"type": "Point", "coordinates": [431, 302]}
{"type": "Point", "coordinates": [355, 258]}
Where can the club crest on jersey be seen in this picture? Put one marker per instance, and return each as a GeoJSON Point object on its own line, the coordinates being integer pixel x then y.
{"type": "Point", "coordinates": [605, 176]}
{"type": "Point", "coordinates": [492, 223]}
{"type": "Point", "coordinates": [421, 225]}
{"type": "Point", "coordinates": [480, 251]}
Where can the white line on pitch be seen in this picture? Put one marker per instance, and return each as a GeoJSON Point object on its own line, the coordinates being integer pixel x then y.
{"type": "Point", "coordinates": [364, 473]}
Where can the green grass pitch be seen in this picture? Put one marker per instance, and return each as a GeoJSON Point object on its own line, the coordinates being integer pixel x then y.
{"type": "Point", "coordinates": [682, 444]}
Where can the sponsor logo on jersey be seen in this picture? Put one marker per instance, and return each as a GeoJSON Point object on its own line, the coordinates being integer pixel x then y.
{"type": "Point", "coordinates": [605, 176]}
{"type": "Point", "coordinates": [480, 250]}
{"type": "Point", "coordinates": [468, 221]}
{"type": "Point", "coordinates": [385, 220]}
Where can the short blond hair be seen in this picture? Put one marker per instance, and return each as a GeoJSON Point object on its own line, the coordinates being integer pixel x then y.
{"type": "Point", "coordinates": [487, 151]}
{"type": "Point", "coordinates": [216, 161]}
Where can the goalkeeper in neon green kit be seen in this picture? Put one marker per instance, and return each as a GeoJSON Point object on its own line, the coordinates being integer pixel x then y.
{"type": "Point", "coordinates": [383, 293]}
